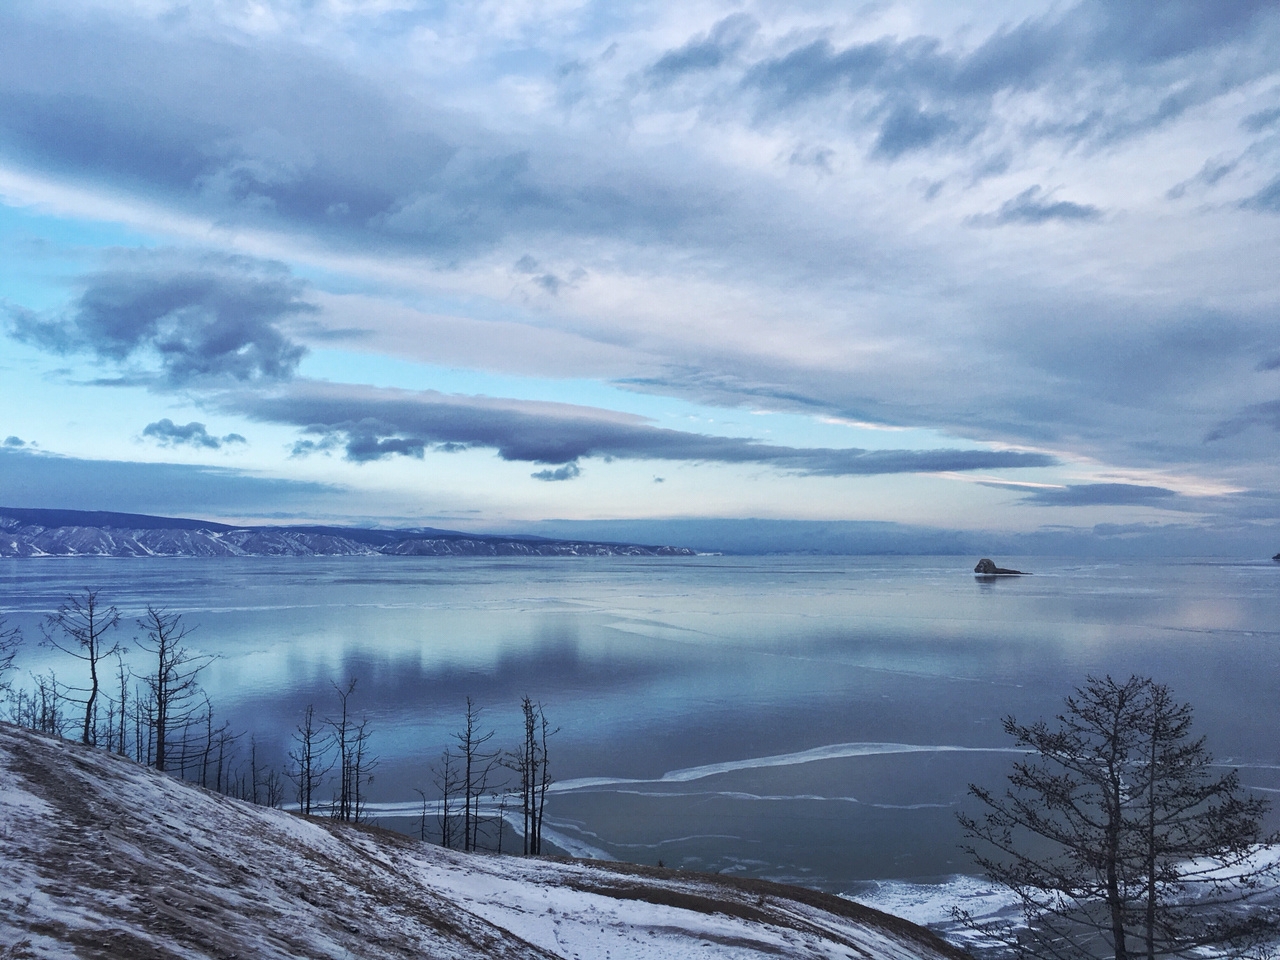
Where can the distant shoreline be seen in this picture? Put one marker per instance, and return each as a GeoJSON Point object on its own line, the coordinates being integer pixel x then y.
{"type": "Point", "coordinates": [32, 534]}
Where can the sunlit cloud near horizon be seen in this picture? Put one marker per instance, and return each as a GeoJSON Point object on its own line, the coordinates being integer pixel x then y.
{"type": "Point", "coordinates": [985, 267]}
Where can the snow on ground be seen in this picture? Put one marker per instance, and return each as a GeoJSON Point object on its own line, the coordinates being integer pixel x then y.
{"type": "Point", "coordinates": [100, 857]}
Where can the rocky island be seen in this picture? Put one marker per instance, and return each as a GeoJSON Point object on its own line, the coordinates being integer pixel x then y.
{"type": "Point", "coordinates": [987, 568]}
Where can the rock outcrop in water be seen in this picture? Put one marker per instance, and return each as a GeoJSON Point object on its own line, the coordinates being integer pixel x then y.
{"type": "Point", "coordinates": [987, 568]}
{"type": "Point", "coordinates": [76, 533]}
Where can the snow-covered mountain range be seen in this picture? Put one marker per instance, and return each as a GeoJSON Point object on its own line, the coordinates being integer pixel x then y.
{"type": "Point", "coordinates": [103, 858]}
{"type": "Point", "coordinates": [76, 533]}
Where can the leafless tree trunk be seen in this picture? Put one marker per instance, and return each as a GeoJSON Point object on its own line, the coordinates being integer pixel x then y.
{"type": "Point", "coordinates": [351, 743]}
{"type": "Point", "coordinates": [342, 742]}
{"type": "Point", "coordinates": [446, 781]}
{"type": "Point", "coordinates": [476, 766]}
{"type": "Point", "coordinates": [530, 765]}
{"type": "Point", "coordinates": [544, 733]}
{"type": "Point", "coordinates": [10, 641]}
{"type": "Point", "coordinates": [79, 627]}
{"type": "Point", "coordinates": [309, 756]}
{"type": "Point", "coordinates": [174, 683]}
{"type": "Point", "coordinates": [122, 674]}
{"type": "Point", "coordinates": [422, 818]}
{"type": "Point", "coordinates": [253, 768]}
{"type": "Point", "coordinates": [362, 765]}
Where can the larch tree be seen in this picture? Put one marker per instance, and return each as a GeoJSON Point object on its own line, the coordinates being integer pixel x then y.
{"type": "Point", "coordinates": [173, 682]}
{"type": "Point", "coordinates": [1120, 838]}
{"type": "Point", "coordinates": [310, 759]}
{"type": "Point", "coordinates": [477, 764]}
{"type": "Point", "coordinates": [445, 776]}
{"type": "Point", "coordinates": [10, 641]}
{"type": "Point", "coordinates": [355, 764]}
{"type": "Point", "coordinates": [530, 764]}
{"type": "Point", "coordinates": [80, 627]}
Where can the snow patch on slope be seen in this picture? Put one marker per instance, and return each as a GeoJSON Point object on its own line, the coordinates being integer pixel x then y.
{"type": "Point", "coordinates": [104, 858]}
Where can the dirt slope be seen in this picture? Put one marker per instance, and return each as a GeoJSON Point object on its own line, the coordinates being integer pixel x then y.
{"type": "Point", "coordinates": [102, 858]}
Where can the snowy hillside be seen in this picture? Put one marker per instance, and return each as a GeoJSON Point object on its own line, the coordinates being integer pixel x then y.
{"type": "Point", "coordinates": [102, 858]}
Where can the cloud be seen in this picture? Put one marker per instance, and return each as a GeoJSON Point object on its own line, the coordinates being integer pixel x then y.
{"type": "Point", "coordinates": [909, 128]}
{"type": "Point", "coordinates": [1098, 494]}
{"type": "Point", "coordinates": [710, 254]}
{"type": "Point", "coordinates": [1210, 174]}
{"type": "Point", "coordinates": [375, 423]}
{"type": "Point", "coordinates": [1032, 206]}
{"type": "Point", "coordinates": [570, 471]}
{"type": "Point", "coordinates": [12, 441]}
{"type": "Point", "coordinates": [1267, 199]}
{"type": "Point", "coordinates": [1088, 46]}
{"type": "Point", "coordinates": [1255, 415]}
{"type": "Point", "coordinates": [706, 52]}
{"type": "Point", "coordinates": [189, 316]}
{"type": "Point", "coordinates": [275, 135]}
{"type": "Point", "coordinates": [1257, 122]}
{"type": "Point", "coordinates": [363, 443]}
{"type": "Point", "coordinates": [548, 281]}
{"type": "Point", "coordinates": [166, 433]}
{"type": "Point", "coordinates": [29, 479]}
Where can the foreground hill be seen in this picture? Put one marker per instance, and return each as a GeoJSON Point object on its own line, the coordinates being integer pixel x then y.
{"type": "Point", "coordinates": [82, 533]}
{"type": "Point", "coordinates": [100, 857]}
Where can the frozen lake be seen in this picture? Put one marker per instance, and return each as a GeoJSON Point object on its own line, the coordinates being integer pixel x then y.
{"type": "Point", "coordinates": [807, 719]}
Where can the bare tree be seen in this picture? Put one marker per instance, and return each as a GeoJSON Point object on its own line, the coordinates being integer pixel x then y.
{"type": "Point", "coordinates": [477, 764]}
{"type": "Point", "coordinates": [530, 765]}
{"type": "Point", "coordinates": [40, 709]}
{"type": "Point", "coordinates": [422, 817]}
{"type": "Point", "coordinates": [173, 683]}
{"type": "Point", "coordinates": [273, 788]}
{"type": "Point", "coordinates": [446, 781]}
{"type": "Point", "coordinates": [362, 766]}
{"type": "Point", "coordinates": [79, 627]}
{"type": "Point", "coordinates": [310, 759]}
{"type": "Point", "coordinates": [1119, 837]}
{"type": "Point", "coordinates": [226, 741]}
{"type": "Point", "coordinates": [122, 674]}
{"type": "Point", "coordinates": [10, 641]}
{"type": "Point", "coordinates": [354, 763]}
{"type": "Point", "coordinates": [544, 732]}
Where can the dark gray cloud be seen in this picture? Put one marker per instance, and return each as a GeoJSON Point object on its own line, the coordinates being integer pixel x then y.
{"type": "Point", "coordinates": [706, 52]}
{"type": "Point", "coordinates": [570, 471]}
{"type": "Point", "coordinates": [372, 424]}
{"type": "Point", "coordinates": [548, 281]}
{"type": "Point", "coordinates": [1257, 122]}
{"type": "Point", "coordinates": [1099, 494]}
{"type": "Point", "coordinates": [192, 316]}
{"type": "Point", "coordinates": [1092, 42]}
{"type": "Point", "coordinates": [272, 134]}
{"type": "Point", "coordinates": [12, 441]}
{"type": "Point", "coordinates": [1257, 415]}
{"type": "Point", "coordinates": [1267, 199]}
{"type": "Point", "coordinates": [1033, 206]}
{"type": "Point", "coordinates": [167, 433]}
{"type": "Point", "coordinates": [907, 128]}
{"type": "Point", "coordinates": [1210, 174]}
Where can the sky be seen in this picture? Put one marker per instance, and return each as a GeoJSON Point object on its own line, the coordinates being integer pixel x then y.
{"type": "Point", "coordinates": [979, 267]}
